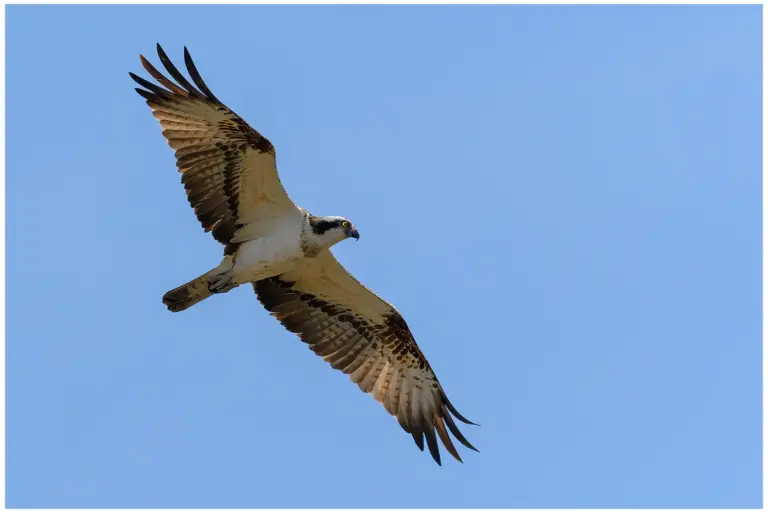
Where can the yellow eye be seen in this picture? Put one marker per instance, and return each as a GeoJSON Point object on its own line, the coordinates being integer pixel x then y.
{"type": "Point", "coordinates": [345, 224]}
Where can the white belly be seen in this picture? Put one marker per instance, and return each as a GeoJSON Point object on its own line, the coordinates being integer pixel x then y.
{"type": "Point", "coordinates": [269, 255]}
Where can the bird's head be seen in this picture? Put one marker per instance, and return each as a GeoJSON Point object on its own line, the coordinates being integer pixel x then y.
{"type": "Point", "coordinates": [327, 231]}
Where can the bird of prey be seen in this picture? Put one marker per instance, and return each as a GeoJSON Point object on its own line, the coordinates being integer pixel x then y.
{"type": "Point", "coordinates": [230, 175]}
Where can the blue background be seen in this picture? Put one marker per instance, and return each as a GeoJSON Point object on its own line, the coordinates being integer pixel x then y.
{"type": "Point", "coordinates": [563, 202]}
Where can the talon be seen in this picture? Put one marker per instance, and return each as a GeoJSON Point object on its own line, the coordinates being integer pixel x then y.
{"type": "Point", "coordinates": [220, 284]}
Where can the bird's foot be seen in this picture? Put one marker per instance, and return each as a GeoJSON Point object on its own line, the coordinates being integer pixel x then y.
{"type": "Point", "coordinates": [221, 283]}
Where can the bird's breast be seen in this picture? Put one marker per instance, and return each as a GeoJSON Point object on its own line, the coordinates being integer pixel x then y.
{"type": "Point", "coordinates": [270, 254]}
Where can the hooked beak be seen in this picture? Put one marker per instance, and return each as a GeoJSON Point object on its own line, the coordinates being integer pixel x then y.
{"type": "Point", "coordinates": [353, 233]}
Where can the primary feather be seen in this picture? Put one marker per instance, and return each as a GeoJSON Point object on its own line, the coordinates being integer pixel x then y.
{"type": "Point", "coordinates": [230, 175]}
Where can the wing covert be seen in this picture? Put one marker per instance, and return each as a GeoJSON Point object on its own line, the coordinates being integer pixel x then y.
{"type": "Point", "coordinates": [228, 168]}
{"type": "Point", "coordinates": [363, 336]}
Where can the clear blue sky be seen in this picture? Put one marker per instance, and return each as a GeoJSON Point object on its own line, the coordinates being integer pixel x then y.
{"type": "Point", "coordinates": [563, 202]}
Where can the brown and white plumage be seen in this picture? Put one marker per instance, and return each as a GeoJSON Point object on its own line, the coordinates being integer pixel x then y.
{"type": "Point", "coordinates": [230, 175]}
{"type": "Point", "coordinates": [228, 168]}
{"type": "Point", "coordinates": [365, 337]}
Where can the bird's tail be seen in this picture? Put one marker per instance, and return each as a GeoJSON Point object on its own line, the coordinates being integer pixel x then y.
{"type": "Point", "coordinates": [188, 294]}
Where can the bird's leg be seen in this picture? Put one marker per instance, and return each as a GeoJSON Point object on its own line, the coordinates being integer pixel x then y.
{"type": "Point", "coordinates": [220, 283]}
{"type": "Point", "coordinates": [221, 280]}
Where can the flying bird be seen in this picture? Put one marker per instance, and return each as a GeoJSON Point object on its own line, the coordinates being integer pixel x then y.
{"type": "Point", "coordinates": [230, 175]}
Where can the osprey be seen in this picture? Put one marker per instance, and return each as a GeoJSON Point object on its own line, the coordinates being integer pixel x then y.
{"type": "Point", "coordinates": [229, 172]}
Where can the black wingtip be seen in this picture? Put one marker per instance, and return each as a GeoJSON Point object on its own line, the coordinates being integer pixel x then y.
{"type": "Point", "coordinates": [145, 94]}
{"type": "Point", "coordinates": [146, 84]}
{"type": "Point", "coordinates": [161, 53]}
{"type": "Point", "coordinates": [434, 450]}
{"type": "Point", "coordinates": [418, 437]}
{"type": "Point", "coordinates": [456, 413]}
{"type": "Point", "coordinates": [176, 74]}
{"type": "Point", "coordinates": [136, 78]}
{"type": "Point", "coordinates": [455, 430]}
{"type": "Point", "coordinates": [188, 60]}
{"type": "Point", "coordinates": [196, 77]}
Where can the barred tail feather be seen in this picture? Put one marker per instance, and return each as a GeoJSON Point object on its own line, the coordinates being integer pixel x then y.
{"type": "Point", "coordinates": [189, 294]}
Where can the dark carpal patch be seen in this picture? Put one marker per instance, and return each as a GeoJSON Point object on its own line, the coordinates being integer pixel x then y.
{"type": "Point", "coordinates": [361, 349]}
{"type": "Point", "coordinates": [237, 128]}
{"type": "Point", "coordinates": [208, 154]}
{"type": "Point", "coordinates": [395, 324]}
{"type": "Point", "coordinates": [231, 248]}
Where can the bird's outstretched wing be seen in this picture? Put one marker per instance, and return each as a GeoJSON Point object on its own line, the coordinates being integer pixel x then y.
{"type": "Point", "coordinates": [365, 337]}
{"type": "Point", "coordinates": [228, 168]}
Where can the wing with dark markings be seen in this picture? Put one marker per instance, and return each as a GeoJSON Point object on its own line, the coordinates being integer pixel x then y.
{"type": "Point", "coordinates": [228, 168]}
{"type": "Point", "coordinates": [365, 337]}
